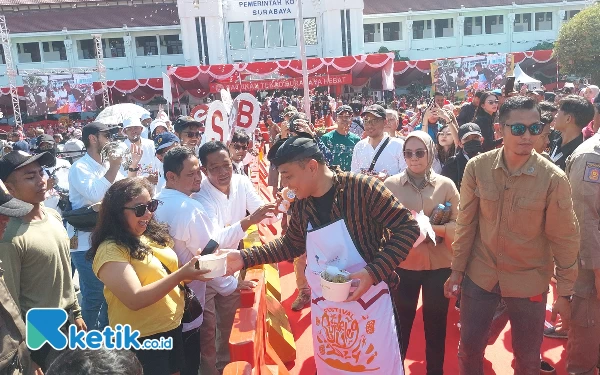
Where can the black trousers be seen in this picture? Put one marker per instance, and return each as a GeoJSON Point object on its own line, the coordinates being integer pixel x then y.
{"type": "Point", "coordinates": [191, 349]}
{"type": "Point", "coordinates": [435, 311]}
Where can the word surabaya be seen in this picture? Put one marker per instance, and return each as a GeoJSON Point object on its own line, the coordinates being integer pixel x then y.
{"type": "Point", "coordinates": [274, 7]}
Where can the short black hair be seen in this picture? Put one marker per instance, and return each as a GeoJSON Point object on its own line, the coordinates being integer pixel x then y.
{"type": "Point", "coordinates": [517, 103]}
{"type": "Point", "coordinates": [547, 117]}
{"type": "Point", "coordinates": [478, 93]}
{"type": "Point", "coordinates": [209, 148]}
{"type": "Point", "coordinates": [174, 158]}
{"type": "Point", "coordinates": [318, 157]}
{"type": "Point", "coordinates": [548, 107]}
{"type": "Point", "coordinates": [580, 108]}
{"type": "Point", "coordinates": [437, 93]}
{"type": "Point", "coordinates": [240, 136]}
{"type": "Point", "coordinates": [102, 361]}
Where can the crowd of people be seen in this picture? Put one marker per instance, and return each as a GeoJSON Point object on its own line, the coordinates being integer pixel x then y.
{"type": "Point", "coordinates": [515, 174]}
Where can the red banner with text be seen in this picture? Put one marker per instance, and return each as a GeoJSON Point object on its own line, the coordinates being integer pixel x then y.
{"type": "Point", "coordinates": [281, 84]}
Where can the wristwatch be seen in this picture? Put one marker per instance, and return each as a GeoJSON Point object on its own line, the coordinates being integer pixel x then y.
{"type": "Point", "coordinates": [134, 169]}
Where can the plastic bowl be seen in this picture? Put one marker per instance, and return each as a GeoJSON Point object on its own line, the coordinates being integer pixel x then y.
{"type": "Point", "coordinates": [216, 263]}
{"type": "Point", "coordinates": [335, 292]}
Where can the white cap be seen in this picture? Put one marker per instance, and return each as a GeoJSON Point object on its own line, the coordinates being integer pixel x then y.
{"type": "Point", "coordinates": [132, 122]}
{"type": "Point", "coordinates": [145, 116]}
{"type": "Point", "coordinates": [156, 123]}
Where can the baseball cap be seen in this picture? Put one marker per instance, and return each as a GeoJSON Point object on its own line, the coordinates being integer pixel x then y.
{"type": "Point", "coordinates": [95, 128]}
{"type": "Point", "coordinates": [467, 129]}
{"type": "Point", "coordinates": [45, 138]}
{"type": "Point", "coordinates": [132, 122]}
{"type": "Point", "coordinates": [344, 108]}
{"type": "Point", "coordinates": [375, 110]}
{"type": "Point", "coordinates": [145, 116]}
{"type": "Point", "coordinates": [11, 206]}
{"type": "Point", "coordinates": [165, 140]}
{"type": "Point", "coordinates": [183, 122]}
{"type": "Point", "coordinates": [18, 159]}
{"type": "Point", "coordinates": [73, 148]}
{"type": "Point", "coordinates": [21, 146]}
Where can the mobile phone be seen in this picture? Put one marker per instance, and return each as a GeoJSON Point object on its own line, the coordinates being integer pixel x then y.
{"type": "Point", "coordinates": [210, 247]}
{"type": "Point", "coordinates": [509, 86]}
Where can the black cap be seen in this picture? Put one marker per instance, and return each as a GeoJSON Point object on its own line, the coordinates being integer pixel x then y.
{"type": "Point", "coordinates": [468, 129]}
{"type": "Point", "coordinates": [183, 122]}
{"type": "Point", "coordinates": [292, 149]}
{"type": "Point", "coordinates": [96, 127]}
{"type": "Point", "coordinates": [17, 159]}
{"type": "Point", "coordinates": [45, 138]}
{"type": "Point", "coordinates": [344, 108]}
{"type": "Point", "coordinates": [10, 206]}
{"type": "Point", "coordinates": [375, 110]}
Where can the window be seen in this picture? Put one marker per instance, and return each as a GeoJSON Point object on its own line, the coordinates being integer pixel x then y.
{"type": "Point", "coordinates": [288, 29]}
{"type": "Point", "coordinates": [273, 34]}
{"type": "Point", "coordinates": [543, 21]}
{"type": "Point", "coordinates": [473, 25]}
{"type": "Point", "coordinates": [116, 47]}
{"type": "Point", "coordinates": [570, 14]}
{"type": "Point", "coordinates": [170, 45]}
{"type": "Point", "coordinates": [392, 31]}
{"type": "Point", "coordinates": [237, 39]}
{"type": "Point", "coordinates": [310, 32]}
{"type": "Point", "coordinates": [29, 52]}
{"type": "Point", "coordinates": [444, 28]}
{"type": "Point", "coordinates": [422, 29]}
{"type": "Point", "coordinates": [146, 46]}
{"type": "Point", "coordinates": [494, 24]}
{"type": "Point", "coordinates": [372, 32]}
{"type": "Point", "coordinates": [86, 49]}
{"type": "Point", "coordinates": [2, 54]}
{"type": "Point", "coordinates": [522, 22]}
{"type": "Point", "coordinates": [54, 51]}
{"type": "Point", "coordinates": [257, 34]}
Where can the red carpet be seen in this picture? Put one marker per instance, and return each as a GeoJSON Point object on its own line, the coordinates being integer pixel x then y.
{"type": "Point", "coordinates": [497, 356]}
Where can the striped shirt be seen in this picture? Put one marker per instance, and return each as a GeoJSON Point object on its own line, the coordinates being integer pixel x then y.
{"type": "Point", "coordinates": [383, 231]}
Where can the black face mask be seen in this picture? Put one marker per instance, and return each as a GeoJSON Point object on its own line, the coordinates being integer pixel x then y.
{"type": "Point", "coordinates": [473, 147]}
{"type": "Point", "coordinates": [51, 151]}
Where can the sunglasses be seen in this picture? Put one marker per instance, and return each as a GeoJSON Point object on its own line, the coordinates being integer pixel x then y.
{"type": "Point", "coordinates": [492, 101]}
{"type": "Point", "coordinates": [420, 154]}
{"type": "Point", "coordinates": [140, 209]}
{"type": "Point", "coordinates": [193, 134]}
{"type": "Point", "coordinates": [240, 147]}
{"type": "Point", "coordinates": [519, 129]}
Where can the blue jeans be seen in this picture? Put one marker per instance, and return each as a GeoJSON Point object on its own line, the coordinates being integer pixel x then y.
{"type": "Point", "coordinates": [477, 309]}
{"type": "Point", "coordinates": [94, 308]}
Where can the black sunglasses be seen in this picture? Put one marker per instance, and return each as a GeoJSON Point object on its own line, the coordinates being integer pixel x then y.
{"type": "Point", "coordinates": [193, 134]}
{"type": "Point", "coordinates": [420, 154]}
{"type": "Point", "coordinates": [140, 209]}
{"type": "Point", "coordinates": [519, 129]}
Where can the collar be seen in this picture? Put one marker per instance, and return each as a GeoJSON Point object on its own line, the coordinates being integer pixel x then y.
{"type": "Point", "coordinates": [92, 160]}
{"type": "Point", "coordinates": [430, 179]}
{"type": "Point", "coordinates": [528, 168]}
{"type": "Point", "coordinates": [212, 190]}
{"type": "Point", "coordinates": [385, 136]}
{"type": "Point", "coordinates": [173, 193]}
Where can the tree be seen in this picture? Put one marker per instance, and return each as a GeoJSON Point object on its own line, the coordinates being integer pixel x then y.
{"type": "Point", "coordinates": [542, 46]}
{"type": "Point", "coordinates": [383, 49]}
{"type": "Point", "coordinates": [577, 48]}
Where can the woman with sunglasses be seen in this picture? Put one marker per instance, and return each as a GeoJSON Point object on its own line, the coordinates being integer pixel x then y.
{"type": "Point", "coordinates": [131, 253]}
{"type": "Point", "coordinates": [485, 117]}
{"type": "Point", "coordinates": [427, 266]}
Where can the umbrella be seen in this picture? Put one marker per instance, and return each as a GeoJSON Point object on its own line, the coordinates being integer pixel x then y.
{"type": "Point", "coordinates": [116, 114]}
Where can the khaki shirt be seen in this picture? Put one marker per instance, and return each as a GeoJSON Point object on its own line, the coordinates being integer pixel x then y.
{"type": "Point", "coordinates": [583, 169]}
{"type": "Point", "coordinates": [439, 190]}
{"type": "Point", "coordinates": [510, 228]}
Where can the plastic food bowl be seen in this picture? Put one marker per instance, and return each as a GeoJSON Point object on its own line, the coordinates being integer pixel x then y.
{"type": "Point", "coordinates": [335, 292]}
{"type": "Point", "coordinates": [216, 263]}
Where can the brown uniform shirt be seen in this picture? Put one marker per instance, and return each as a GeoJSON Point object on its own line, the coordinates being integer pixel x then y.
{"type": "Point", "coordinates": [511, 227]}
{"type": "Point", "coordinates": [438, 190]}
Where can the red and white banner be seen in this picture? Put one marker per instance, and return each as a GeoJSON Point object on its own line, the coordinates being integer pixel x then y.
{"type": "Point", "coordinates": [217, 124]}
{"type": "Point", "coordinates": [199, 112]}
{"type": "Point", "coordinates": [245, 114]}
{"type": "Point", "coordinates": [282, 84]}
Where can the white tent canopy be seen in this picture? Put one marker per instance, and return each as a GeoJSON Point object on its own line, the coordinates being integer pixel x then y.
{"type": "Point", "coordinates": [522, 78]}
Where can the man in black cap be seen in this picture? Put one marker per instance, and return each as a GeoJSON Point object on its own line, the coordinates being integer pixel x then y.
{"type": "Point", "coordinates": [58, 175]}
{"type": "Point", "coordinates": [341, 141]}
{"type": "Point", "coordinates": [467, 111]}
{"type": "Point", "coordinates": [342, 221]}
{"type": "Point", "coordinates": [471, 145]}
{"type": "Point", "coordinates": [189, 132]}
{"type": "Point", "coordinates": [35, 247]}
{"type": "Point", "coordinates": [12, 327]}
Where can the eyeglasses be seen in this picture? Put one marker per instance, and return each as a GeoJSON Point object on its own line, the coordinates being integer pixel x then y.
{"type": "Point", "coordinates": [240, 147]}
{"type": "Point", "coordinates": [140, 209]}
{"type": "Point", "coordinates": [373, 120]}
{"type": "Point", "coordinates": [492, 101]}
{"type": "Point", "coordinates": [519, 129]}
{"type": "Point", "coordinates": [420, 154]}
{"type": "Point", "coordinates": [193, 134]}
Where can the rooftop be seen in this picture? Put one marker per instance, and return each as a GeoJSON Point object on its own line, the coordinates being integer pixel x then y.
{"type": "Point", "coordinates": [400, 6]}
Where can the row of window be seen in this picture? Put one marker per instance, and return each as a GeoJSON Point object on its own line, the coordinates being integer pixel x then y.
{"type": "Point", "coordinates": [271, 33]}
{"type": "Point", "coordinates": [441, 28]}
{"type": "Point", "coordinates": [86, 48]}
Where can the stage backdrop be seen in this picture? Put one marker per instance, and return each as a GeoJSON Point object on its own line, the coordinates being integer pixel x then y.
{"type": "Point", "coordinates": [59, 94]}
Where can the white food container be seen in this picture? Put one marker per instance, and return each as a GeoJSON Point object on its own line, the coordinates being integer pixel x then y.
{"type": "Point", "coordinates": [216, 263]}
{"type": "Point", "coordinates": [335, 292]}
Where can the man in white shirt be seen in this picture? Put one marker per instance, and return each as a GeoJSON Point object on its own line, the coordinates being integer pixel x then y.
{"type": "Point", "coordinates": [226, 197]}
{"type": "Point", "coordinates": [162, 143]}
{"type": "Point", "coordinates": [89, 179]}
{"type": "Point", "coordinates": [133, 128]}
{"type": "Point", "coordinates": [145, 120]}
{"type": "Point", "coordinates": [391, 159]}
{"type": "Point", "coordinates": [238, 149]}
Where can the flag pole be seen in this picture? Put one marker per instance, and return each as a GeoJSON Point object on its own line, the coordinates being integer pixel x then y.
{"type": "Point", "coordinates": [304, 62]}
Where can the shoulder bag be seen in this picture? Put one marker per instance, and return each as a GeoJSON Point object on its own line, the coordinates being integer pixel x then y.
{"type": "Point", "coordinates": [193, 307]}
{"type": "Point", "coordinates": [376, 157]}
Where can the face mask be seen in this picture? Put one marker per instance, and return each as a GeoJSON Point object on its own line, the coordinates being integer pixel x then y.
{"type": "Point", "coordinates": [472, 147]}
{"type": "Point", "coordinates": [51, 151]}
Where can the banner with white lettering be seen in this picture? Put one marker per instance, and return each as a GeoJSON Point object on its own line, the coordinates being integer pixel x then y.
{"type": "Point", "coordinates": [199, 112]}
{"type": "Point", "coordinates": [245, 113]}
{"type": "Point", "coordinates": [262, 8]}
{"type": "Point", "coordinates": [217, 124]}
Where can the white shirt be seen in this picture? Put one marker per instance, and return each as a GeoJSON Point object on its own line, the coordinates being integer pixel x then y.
{"type": "Point", "coordinates": [147, 161]}
{"type": "Point", "coordinates": [87, 186]}
{"type": "Point", "coordinates": [191, 229]}
{"type": "Point", "coordinates": [391, 159]}
{"type": "Point", "coordinates": [158, 167]}
{"type": "Point", "coordinates": [145, 133]}
{"type": "Point", "coordinates": [62, 181]}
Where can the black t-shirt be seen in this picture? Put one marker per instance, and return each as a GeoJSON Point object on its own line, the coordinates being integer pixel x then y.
{"type": "Point", "coordinates": [560, 152]}
{"type": "Point", "coordinates": [324, 205]}
{"type": "Point", "coordinates": [455, 168]}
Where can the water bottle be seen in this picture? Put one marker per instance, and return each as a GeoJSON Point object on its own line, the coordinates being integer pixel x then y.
{"type": "Point", "coordinates": [447, 212]}
{"type": "Point", "coordinates": [437, 215]}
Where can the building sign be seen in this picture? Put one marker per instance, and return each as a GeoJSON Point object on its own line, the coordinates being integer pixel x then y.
{"type": "Point", "coordinates": [281, 84]}
{"type": "Point", "coordinates": [268, 7]}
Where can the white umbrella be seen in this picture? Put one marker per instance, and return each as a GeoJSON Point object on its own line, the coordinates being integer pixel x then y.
{"type": "Point", "coordinates": [116, 114]}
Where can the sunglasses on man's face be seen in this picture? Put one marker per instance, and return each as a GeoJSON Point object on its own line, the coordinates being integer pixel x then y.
{"type": "Point", "coordinates": [240, 147]}
{"type": "Point", "coordinates": [140, 209]}
{"type": "Point", "coordinates": [193, 134]}
{"type": "Point", "coordinates": [420, 154]}
{"type": "Point", "coordinates": [519, 129]}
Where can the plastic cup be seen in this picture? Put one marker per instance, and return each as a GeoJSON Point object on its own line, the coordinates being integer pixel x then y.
{"type": "Point", "coordinates": [335, 292]}
{"type": "Point", "coordinates": [216, 263]}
